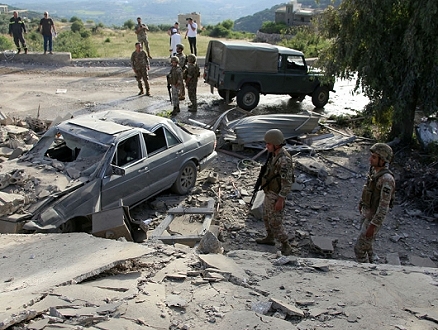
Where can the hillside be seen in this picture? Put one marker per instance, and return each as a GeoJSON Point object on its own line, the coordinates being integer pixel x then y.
{"type": "Point", "coordinates": [115, 12]}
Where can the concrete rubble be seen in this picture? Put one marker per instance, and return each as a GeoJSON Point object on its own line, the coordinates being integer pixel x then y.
{"type": "Point", "coordinates": [47, 283]}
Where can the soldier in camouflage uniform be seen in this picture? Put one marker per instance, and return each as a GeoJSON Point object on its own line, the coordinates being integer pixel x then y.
{"type": "Point", "coordinates": [183, 65]}
{"type": "Point", "coordinates": [175, 79]}
{"type": "Point", "coordinates": [140, 65]}
{"type": "Point", "coordinates": [276, 183]}
{"type": "Point", "coordinates": [376, 199]}
{"type": "Point", "coordinates": [192, 74]}
{"type": "Point", "coordinates": [142, 36]}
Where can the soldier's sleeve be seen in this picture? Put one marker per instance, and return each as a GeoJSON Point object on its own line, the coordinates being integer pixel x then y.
{"type": "Point", "coordinates": [132, 61]}
{"type": "Point", "coordinates": [286, 174]}
{"type": "Point", "coordinates": [387, 184]}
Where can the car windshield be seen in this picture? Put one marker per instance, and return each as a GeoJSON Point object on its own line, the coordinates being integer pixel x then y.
{"type": "Point", "coordinates": [69, 153]}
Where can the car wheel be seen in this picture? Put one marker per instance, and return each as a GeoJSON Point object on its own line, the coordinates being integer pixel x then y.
{"type": "Point", "coordinates": [320, 96]}
{"type": "Point", "coordinates": [70, 226]}
{"type": "Point", "coordinates": [248, 97]}
{"type": "Point", "coordinates": [223, 94]}
{"type": "Point", "coordinates": [186, 179]}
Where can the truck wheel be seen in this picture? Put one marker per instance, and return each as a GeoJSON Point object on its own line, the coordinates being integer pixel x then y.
{"type": "Point", "coordinates": [320, 96]}
{"type": "Point", "coordinates": [223, 94]}
{"type": "Point", "coordinates": [297, 97]}
{"type": "Point", "coordinates": [248, 98]}
{"type": "Point", "coordinates": [186, 179]}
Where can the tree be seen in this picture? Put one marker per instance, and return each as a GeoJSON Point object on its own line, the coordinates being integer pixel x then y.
{"type": "Point", "coordinates": [77, 26]}
{"type": "Point", "coordinates": [129, 24]}
{"type": "Point", "coordinates": [391, 47]}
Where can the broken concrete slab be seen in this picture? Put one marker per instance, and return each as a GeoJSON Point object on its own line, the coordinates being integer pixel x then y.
{"type": "Point", "coordinates": [30, 256]}
{"type": "Point", "coordinates": [421, 261]}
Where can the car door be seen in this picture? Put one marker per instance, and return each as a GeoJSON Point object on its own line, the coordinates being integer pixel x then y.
{"type": "Point", "coordinates": [133, 185]}
{"type": "Point", "coordinates": [165, 151]}
{"type": "Point", "coordinates": [296, 79]}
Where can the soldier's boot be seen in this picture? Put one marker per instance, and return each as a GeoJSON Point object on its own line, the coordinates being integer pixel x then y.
{"type": "Point", "coordinates": [25, 50]}
{"type": "Point", "coordinates": [175, 110]}
{"type": "Point", "coordinates": [286, 249]}
{"type": "Point", "coordinates": [268, 240]}
{"type": "Point", "coordinates": [18, 50]}
{"type": "Point", "coordinates": [140, 87]}
{"type": "Point", "coordinates": [193, 107]}
{"type": "Point", "coordinates": [141, 92]}
{"type": "Point", "coordinates": [148, 89]}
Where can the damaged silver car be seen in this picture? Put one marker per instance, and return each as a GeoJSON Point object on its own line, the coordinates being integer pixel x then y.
{"type": "Point", "coordinates": [97, 162]}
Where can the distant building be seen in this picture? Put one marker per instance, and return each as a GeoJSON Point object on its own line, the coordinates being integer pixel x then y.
{"type": "Point", "coordinates": [293, 14]}
{"type": "Point", "coordinates": [182, 20]}
{"type": "Point", "coordinates": [3, 9]}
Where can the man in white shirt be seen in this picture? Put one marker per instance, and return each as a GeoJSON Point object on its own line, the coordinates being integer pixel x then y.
{"type": "Point", "coordinates": [192, 32]}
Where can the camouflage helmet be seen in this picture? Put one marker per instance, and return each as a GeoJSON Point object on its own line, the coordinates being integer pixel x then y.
{"type": "Point", "coordinates": [180, 46]}
{"type": "Point", "coordinates": [274, 136]}
{"type": "Point", "coordinates": [174, 59]}
{"type": "Point", "coordinates": [383, 150]}
{"type": "Point", "coordinates": [191, 58]}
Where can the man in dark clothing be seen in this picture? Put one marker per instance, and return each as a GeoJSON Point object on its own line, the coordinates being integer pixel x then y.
{"type": "Point", "coordinates": [16, 29]}
{"type": "Point", "coordinates": [46, 27]}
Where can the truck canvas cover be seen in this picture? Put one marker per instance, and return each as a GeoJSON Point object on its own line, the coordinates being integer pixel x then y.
{"type": "Point", "coordinates": [234, 55]}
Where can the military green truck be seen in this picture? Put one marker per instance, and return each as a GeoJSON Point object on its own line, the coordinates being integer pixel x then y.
{"type": "Point", "coordinates": [247, 69]}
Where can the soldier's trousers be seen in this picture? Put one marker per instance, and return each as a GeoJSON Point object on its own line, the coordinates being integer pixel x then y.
{"type": "Point", "coordinates": [191, 90]}
{"type": "Point", "coordinates": [175, 96]}
{"type": "Point", "coordinates": [363, 249]}
{"type": "Point", "coordinates": [273, 219]}
{"type": "Point", "coordinates": [142, 75]}
{"type": "Point", "coordinates": [145, 44]}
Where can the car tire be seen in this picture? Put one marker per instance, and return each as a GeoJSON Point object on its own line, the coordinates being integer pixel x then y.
{"type": "Point", "coordinates": [186, 179]}
{"type": "Point", "coordinates": [320, 96]}
{"type": "Point", "coordinates": [70, 226]}
{"type": "Point", "coordinates": [223, 93]}
{"type": "Point", "coordinates": [248, 97]}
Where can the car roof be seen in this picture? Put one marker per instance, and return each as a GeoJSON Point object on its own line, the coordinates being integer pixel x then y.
{"type": "Point", "coordinates": [105, 125]}
{"type": "Point", "coordinates": [259, 45]}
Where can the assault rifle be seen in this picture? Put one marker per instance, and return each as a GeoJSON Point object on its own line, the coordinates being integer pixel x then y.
{"type": "Point", "coordinates": [258, 183]}
{"type": "Point", "coordinates": [169, 89]}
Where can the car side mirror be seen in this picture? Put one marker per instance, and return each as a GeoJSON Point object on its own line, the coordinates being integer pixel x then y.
{"type": "Point", "coordinates": [115, 170]}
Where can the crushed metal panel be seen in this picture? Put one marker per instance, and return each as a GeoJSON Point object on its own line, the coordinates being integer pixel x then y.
{"type": "Point", "coordinates": [190, 240]}
{"type": "Point", "coordinates": [111, 224]}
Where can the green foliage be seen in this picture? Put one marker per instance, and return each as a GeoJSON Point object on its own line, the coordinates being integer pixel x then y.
{"type": "Point", "coordinates": [107, 40]}
{"type": "Point", "coordinates": [64, 20]}
{"type": "Point", "coordinates": [253, 23]}
{"type": "Point", "coordinates": [77, 26]}
{"type": "Point", "coordinates": [129, 24]}
{"type": "Point", "coordinates": [74, 43]}
{"type": "Point", "coordinates": [6, 43]}
{"type": "Point", "coordinates": [390, 49]}
{"type": "Point", "coordinates": [225, 30]}
{"type": "Point", "coordinates": [75, 19]}
{"type": "Point", "coordinates": [306, 39]}
{"type": "Point", "coordinates": [272, 27]}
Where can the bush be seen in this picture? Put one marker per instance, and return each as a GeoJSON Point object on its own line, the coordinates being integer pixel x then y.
{"type": "Point", "coordinates": [77, 26]}
{"type": "Point", "coordinates": [74, 43]}
{"type": "Point", "coordinates": [6, 43]}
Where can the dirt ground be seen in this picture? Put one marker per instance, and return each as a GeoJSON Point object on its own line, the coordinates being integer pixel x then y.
{"type": "Point", "coordinates": [320, 207]}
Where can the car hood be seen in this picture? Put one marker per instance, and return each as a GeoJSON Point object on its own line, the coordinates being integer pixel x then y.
{"type": "Point", "coordinates": [25, 186]}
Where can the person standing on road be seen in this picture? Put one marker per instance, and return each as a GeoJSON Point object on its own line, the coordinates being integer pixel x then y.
{"type": "Point", "coordinates": [175, 80]}
{"type": "Point", "coordinates": [183, 65]}
{"type": "Point", "coordinates": [16, 30]}
{"type": "Point", "coordinates": [191, 34]}
{"type": "Point", "coordinates": [140, 65]}
{"type": "Point", "coordinates": [377, 195]}
{"type": "Point", "coordinates": [191, 76]}
{"type": "Point", "coordinates": [47, 28]}
{"type": "Point", "coordinates": [141, 30]}
{"type": "Point", "coordinates": [277, 182]}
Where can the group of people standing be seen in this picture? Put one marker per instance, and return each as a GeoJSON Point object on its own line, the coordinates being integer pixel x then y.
{"type": "Point", "coordinates": [277, 179]}
{"type": "Point", "coordinates": [17, 28]}
{"type": "Point", "coordinates": [184, 71]}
